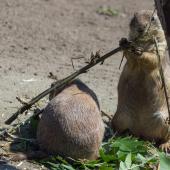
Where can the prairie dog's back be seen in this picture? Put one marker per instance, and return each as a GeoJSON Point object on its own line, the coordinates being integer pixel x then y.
{"type": "Point", "coordinates": [71, 124]}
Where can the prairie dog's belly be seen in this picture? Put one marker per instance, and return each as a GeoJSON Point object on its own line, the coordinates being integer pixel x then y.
{"type": "Point", "coordinates": [149, 126]}
{"type": "Point", "coordinates": [141, 98]}
{"type": "Point", "coordinates": [141, 92]}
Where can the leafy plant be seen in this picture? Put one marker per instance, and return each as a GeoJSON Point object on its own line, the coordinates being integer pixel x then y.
{"type": "Point", "coordinates": [107, 11]}
{"type": "Point", "coordinates": [123, 153]}
{"type": "Point", "coordinates": [164, 161]}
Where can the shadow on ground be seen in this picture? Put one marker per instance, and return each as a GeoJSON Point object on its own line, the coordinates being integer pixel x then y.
{"type": "Point", "coordinates": [7, 167]}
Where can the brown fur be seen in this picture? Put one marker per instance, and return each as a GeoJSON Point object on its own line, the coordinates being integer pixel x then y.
{"type": "Point", "coordinates": [142, 106]}
{"type": "Point", "coordinates": [71, 124]}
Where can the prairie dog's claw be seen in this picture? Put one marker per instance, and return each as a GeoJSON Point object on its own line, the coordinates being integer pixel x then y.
{"type": "Point", "coordinates": [124, 43]}
{"type": "Point", "coordinates": [165, 147]}
{"type": "Point", "coordinates": [138, 50]}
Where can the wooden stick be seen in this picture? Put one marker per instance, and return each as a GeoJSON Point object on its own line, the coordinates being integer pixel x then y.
{"type": "Point", "coordinates": [59, 85]}
{"type": "Point", "coordinates": [16, 138]}
{"type": "Point", "coordinates": [107, 115]}
{"type": "Point", "coordinates": [163, 9]}
{"type": "Point", "coordinates": [162, 76]}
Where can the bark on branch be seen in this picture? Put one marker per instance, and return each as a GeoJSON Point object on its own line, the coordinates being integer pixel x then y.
{"type": "Point", "coordinates": [163, 9]}
{"type": "Point", "coordinates": [59, 85]}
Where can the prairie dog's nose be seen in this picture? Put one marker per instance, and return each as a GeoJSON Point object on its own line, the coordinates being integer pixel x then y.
{"type": "Point", "coordinates": [141, 29]}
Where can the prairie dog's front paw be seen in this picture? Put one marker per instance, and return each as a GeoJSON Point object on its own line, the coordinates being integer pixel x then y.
{"type": "Point", "coordinates": [138, 51]}
{"type": "Point", "coordinates": [165, 147]}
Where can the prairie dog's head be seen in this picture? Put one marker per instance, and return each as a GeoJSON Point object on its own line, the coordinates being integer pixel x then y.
{"type": "Point", "coordinates": [144, 22]}
{"type": "Point", "coordinates": [144, 26]}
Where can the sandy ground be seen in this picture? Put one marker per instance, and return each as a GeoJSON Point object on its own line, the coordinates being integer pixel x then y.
{"type": "Point", "coordinates": [41, 36]}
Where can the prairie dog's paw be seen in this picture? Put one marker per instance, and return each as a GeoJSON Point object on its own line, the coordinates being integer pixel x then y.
{"type": "Point", "coordinates": [138, 51]}
{"type": "Point", "coordinates": [165, 147]}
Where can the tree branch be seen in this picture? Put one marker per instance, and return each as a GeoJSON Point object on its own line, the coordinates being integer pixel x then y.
{"type": "Point", "coordinates": [163, 9]}
{"type": "Point", "coordinates": [61, 84]}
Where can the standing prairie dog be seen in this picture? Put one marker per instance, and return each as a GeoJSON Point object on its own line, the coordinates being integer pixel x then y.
{"type": "Point", "coordinates": [142, 107]}
{"type": "Point", "coordinates": [71, 124]}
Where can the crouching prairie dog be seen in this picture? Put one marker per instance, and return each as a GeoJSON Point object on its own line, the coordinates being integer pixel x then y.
{"type": "Point", "coordinates": [142, 107]}
{"type": "Point", "coordinates": [71, 124]}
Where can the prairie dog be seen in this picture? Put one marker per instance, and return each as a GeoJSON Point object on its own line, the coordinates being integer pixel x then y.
{"type": "Point", "coordinates": [71, 124]}
{"type": "Point", "coordinates": [142, 106]}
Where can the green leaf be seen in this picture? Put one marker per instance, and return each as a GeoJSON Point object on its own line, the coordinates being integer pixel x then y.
{"type": "Point", "coordinates": [59, 158]}
{"type": "Point", "coordinates": [121, 155]}
{"type": "Point", "coordinates": [34, 122]}
{"type": "Point", "coordinates": [164, 161]}
{"type": "Point", "coordinates": [68, 167]}
{"type": "Point", "coordinates": [53, 165]}
{"type": "Point", "coordinates": [141, 158]}
{"type": "Point", "coordinates": [107, 166]}
{"type": "Point", "coordinates": [93, 164]}
{"type": "Point", "coordinates": [135, 167]}
{"type": "Point", "coordinates": [106, 157]}
{"type": "Point", "coordinates": [129, 144]}
{"type": "Point", "coordinates": [128, 160]}
{"type": "Point", "coordinates": [122, 166]}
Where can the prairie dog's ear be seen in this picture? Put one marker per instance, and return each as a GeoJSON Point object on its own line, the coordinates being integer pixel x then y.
{"type": "Point", "coordinates": [153, 18]}
{"type": "Point", "coordinates": [132, 22]}
{"type": "Point", "coordinates": [135, 14]}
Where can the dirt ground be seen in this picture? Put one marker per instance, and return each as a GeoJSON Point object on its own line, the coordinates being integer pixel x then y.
{"type": "Point", "coordinates": [41, 36]}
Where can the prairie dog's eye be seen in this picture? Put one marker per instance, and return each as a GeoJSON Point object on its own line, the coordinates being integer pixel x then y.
{"type": "Point", "coordinates": [153, 19]}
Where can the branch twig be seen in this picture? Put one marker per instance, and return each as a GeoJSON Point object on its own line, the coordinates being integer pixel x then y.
{"type": "Point", "coordinates": [162, 76]}
{"type": "Point", "coordinates": [21, 100]}
{"type": "Point", "coordinates": [163, 9]}
{"type": "Point", "coordinates": [107, 115]}
{"type": "Point", "coordinates": [74, 58]}
{"type": "Point", "coordinates": [21, 138]}
{"type": "Point", "coordinates": [59, 85]}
